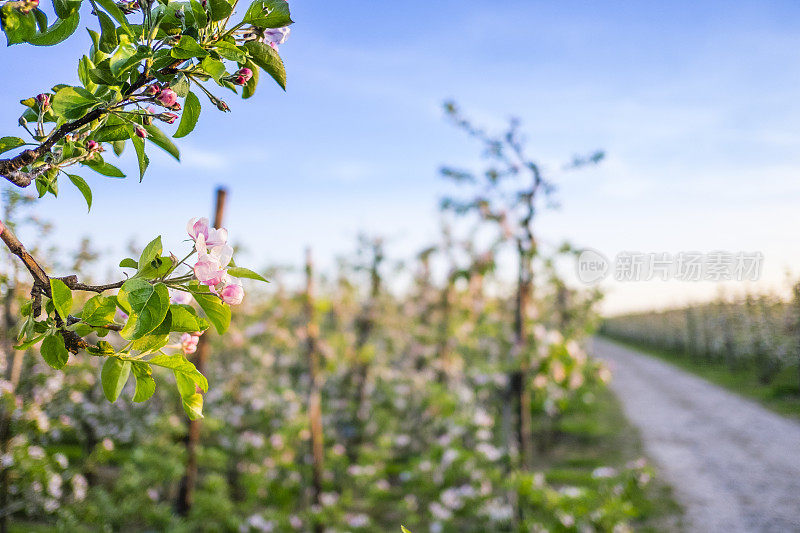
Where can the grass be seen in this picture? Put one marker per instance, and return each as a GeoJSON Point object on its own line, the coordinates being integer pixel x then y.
{"type": "Point", "coordinates": [781, 395]}
{"type": "Point", "coordinates": [598, 434]}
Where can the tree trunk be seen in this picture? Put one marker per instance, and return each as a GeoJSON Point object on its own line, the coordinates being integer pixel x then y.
{"type": "Point", "coordinates": [315, 392]}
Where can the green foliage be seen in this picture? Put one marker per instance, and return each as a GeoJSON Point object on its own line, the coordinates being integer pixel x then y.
{"type": "Point", "coordinates": [265, 57]}
{"type": "Point", "coordinates": [191, 112]}
{"type": "Point", "coordinates": [217, 312]}
{"type": "Point", "coordinates": [240, 272]}
{"type": "Point", "coordinates": [114, 376]}
{"type": "Point", "coordinates": [148, 305]}
{"type": "Point", "coordinates": [62, 297]}
{"type": "Point", "coordinates": [54, 352]}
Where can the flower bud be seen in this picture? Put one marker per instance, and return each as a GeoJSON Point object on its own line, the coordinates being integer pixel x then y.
{"type": "Point", "coordinates": [167, 97]}
{"type": "Point", "coordinates": [152, 90]}
{"type": "Point", "coordinates": [92, 146]}
{"type": "Point", "coordinates": [222, 106]}
{"type": "Point", "coordinates": [140, 132]}
{"type": "Point", "coordinates": [232, 294]}
{"type": "Point", "coordinates": [43, 100]}
{"type": "Point", "coordinates": [169, 118]}
{"type": "Point", "coordinates": [245, 73]}
{"type": "Point", "coordinates": [239, 80]}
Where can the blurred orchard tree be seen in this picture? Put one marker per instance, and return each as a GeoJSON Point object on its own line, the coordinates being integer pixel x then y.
{"type": "Point", "coordinates": [146, 65]}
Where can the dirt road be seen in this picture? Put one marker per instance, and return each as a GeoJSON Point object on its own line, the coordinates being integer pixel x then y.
{"type": "Point", "coordinates": [734, 465]}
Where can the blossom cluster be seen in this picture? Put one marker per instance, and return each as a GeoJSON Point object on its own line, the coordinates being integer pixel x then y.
{"type": "Point", "coordinates": [214, 254]}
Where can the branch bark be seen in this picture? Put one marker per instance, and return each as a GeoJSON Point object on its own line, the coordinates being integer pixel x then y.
{"type": "Point", "coordinates": [41, 287]}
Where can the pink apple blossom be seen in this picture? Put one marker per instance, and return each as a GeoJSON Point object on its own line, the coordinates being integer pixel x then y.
{"type": "Point", "coordinates": [208, 270]}
{"type": "Point", "coordinates": [189, 343]}
{"type": "Point", "coordinates": [211, 236]}
{"type": "Point", "coordinates": [222, 252]}
{"type": "Point", "coordinates": [276, 36]}
{"type": "Point", "coordinates": [141, 132]}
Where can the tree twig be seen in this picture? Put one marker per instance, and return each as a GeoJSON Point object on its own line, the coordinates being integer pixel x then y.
{"type": "Point", "coordinates": [10, 168]}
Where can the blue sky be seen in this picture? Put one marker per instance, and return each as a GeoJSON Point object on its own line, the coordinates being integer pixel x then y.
{"type": "Point", "coordinates": [696, 106]}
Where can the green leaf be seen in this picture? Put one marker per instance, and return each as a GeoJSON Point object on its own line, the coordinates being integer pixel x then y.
{"type": "Point", "coordinates": [180, 365]}
{"type": "Point", "coordinates": [102, 75]}
{"type": "Point", "coordinates": [149, 303]}
{"type": "Point", "coordinates": [114, 11]}
{"type": "Point", "coordinates": [150, 252]}
{"type": "Point", "coordinates": [157, 137]}
{"type": "Point", "coordinates": [241, 272]}
{"type": "Point", "coordinates": [124, 57]}
{"type": "Point", "coordinates": [30, 342]}
{"type": "Point", "coordinates": [186, 320]}
{"type": "Point", "coordinates": [62, 297]}
{"type": "Point", "coordinates": [114, 376]}
{"type": "Point", "coordinates": [229, 50]}
{"type": "Point", "coordinates": [19, 27]}
{"type": "Point", "coordinates": [268, 14]}
{"type": "Point", "coordinates": [65, 8]}
{"type": "Point", "coordinates": [191, 112]}
{"type": "Point", "coordinates": [83, 187]}
{"type": "Point", "coordinates": [157, 268]}
{"type": "Point", "coordinates": [129, 262]}
{"type": "Point", "coordinates": [54, 352]}
{"type": "Point", "coordinates": [108, 33]}
{"type": "Point", "coordinates": [218, 312]}
{"type": "Point", "coordinates": [220, 9]}
{"type": "Point", "coordinates": [180, 85]}
{"type": "Point", "coordinates": [144, 161]}
{"type": "Point", "coordinates": [187, 48]}
{"type": "Point", "coordinates": [156, 339]}
{"type": "Point", "coordinates": [145, 385]}
{"type": "Point", "coordinates": [85, 65]}
{"type": "Point", "coordinates": [99, 311]}
{"type": "Point", "coordinates": [111, 132]}
{"type": "Point", "coordinates": [213, 67]}
{"type": "Point", "coordinates": [193, 405]}
{"type": "Point", "coordinates": [265, 57]}
{"type": "Point", "coordinates": [9, 143]}
{"type": "Point", "coordinates": [106, 169]}
{"type": "Point", "coordinates": [58, 32]}
{"type": "Point", "coordinates": [73, 102]}
{"type": "Point", "coordinates": [41, 19]}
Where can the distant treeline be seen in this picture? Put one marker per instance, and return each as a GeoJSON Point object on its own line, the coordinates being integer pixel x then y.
{"type": "Point", "coordinates": [758, 332]}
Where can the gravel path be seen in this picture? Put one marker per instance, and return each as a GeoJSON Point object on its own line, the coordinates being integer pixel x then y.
{"type": "Point", "coordinates": [734, 465]}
